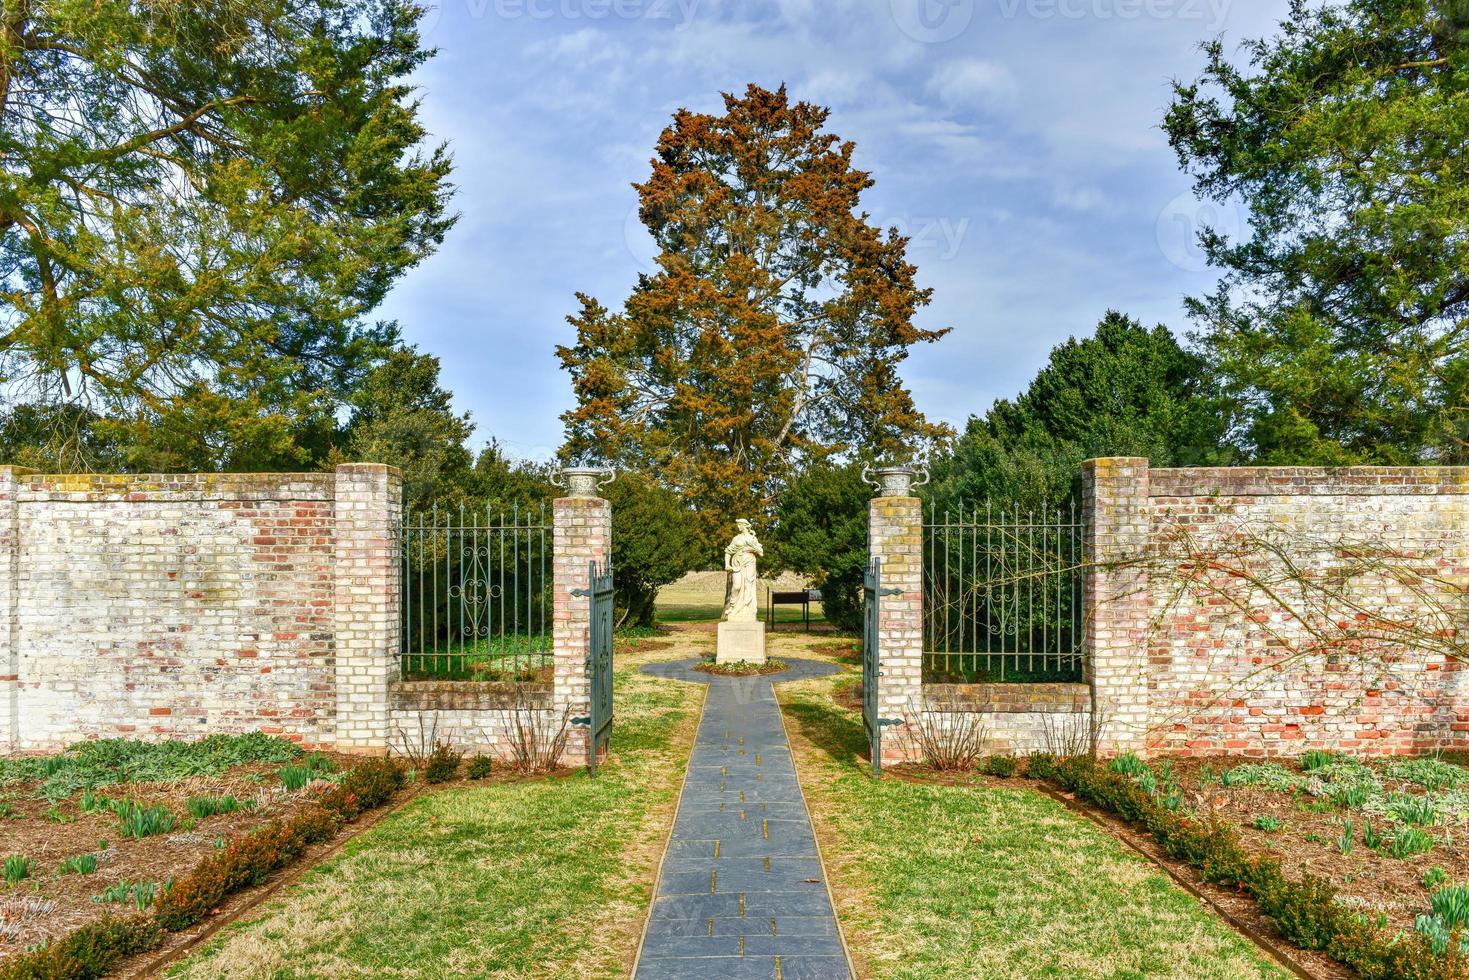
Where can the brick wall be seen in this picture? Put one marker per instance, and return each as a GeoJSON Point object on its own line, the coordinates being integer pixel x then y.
{"type": "Point", "coordinates": [182, 605]}
{"type": "Point", "coordinates": [1194, 654]}
{"type": "Point", "coordinates": [1021, 718]}
{"type": "Point", "coordinates": [895, 535]}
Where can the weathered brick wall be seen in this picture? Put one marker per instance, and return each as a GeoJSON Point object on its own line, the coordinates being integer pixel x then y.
{"type": "Point", "coordinates": [1021, 718]}
{"type": "Point", "coordinates": [184, 605]}
{"type": "Point", "coordinates": [1228, 668]}
{"type": "Point", "coordinates": [582, 534]}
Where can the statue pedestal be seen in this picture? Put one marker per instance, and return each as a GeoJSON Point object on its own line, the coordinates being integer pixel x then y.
{"type": "Point", "coordinates": [740, 641]}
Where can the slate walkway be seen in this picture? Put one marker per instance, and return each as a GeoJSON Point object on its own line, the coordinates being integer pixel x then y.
{"type": "Point", "coordinates": [742, 892]}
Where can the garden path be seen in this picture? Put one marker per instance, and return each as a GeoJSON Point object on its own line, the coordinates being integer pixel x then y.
{"type": "Point", "coordinates": [742, 892]}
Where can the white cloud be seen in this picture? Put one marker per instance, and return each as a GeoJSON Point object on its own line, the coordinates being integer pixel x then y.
{"type": "Point", "coordinates": [972, 83]}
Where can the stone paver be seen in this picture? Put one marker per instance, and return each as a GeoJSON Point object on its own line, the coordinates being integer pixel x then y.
{"type": "Point", "coordinates": [742, 891]}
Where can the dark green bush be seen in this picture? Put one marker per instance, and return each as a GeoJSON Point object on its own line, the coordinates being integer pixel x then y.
{"type": "Point", "coordinates": [1002, 766]}
{"type": "Point", "coordinates": [443, 763]}
{"type": "Point", "coordinates": [1040, 765]}
{"type": "Point", "coordinates": [85, 953]}
{"type": "Point", "coordinates": [480, 766]}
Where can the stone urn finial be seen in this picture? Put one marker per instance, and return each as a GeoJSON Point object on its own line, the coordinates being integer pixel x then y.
{"type": "Point", "coordinates": [894, 481]}
{"type": "Point", "coordinates": [583, 481]}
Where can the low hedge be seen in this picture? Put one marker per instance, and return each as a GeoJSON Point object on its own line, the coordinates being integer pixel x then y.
{"type": "Point", "coordinates": [1305, 912]}
{"type": "Point", "coordinates": [95, 949]}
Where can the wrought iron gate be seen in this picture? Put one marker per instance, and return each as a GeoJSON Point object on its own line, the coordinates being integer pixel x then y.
{"type": "Point", "coordinates": [871, 663]}
{"type": "Point", "coordinates": [599, 663]}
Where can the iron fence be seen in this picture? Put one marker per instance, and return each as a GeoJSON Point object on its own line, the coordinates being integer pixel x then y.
{"type": "Point", "coordinates": [476, 594]}
{"type": "Point", "coordinates": [1002, 594]}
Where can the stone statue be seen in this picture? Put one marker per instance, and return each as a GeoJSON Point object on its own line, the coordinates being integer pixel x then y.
{"type": "Point", "coordinates": [741, 634]}
{"type": "Point", "coordinates": [740, 601]}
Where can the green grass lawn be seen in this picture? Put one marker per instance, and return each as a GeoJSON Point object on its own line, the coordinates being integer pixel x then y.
{"type": "Point", "coordinates": [939, 881]}
{"type": "Point", "coordinates": [548, 878]}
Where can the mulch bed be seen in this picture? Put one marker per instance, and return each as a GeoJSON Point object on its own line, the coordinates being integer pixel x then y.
{"type": "Point", "coordinates": [66, 901]}
{"type": "Point", "coordinates": [741, 670]}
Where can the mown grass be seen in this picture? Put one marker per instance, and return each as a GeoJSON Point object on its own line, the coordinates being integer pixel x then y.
{"type": "Point", "coordinates": [939, 881]}
{"type": "Point", "coordinates": [547, 878]}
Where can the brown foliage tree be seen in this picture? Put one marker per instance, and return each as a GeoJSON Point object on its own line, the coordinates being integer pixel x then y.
{"type": "Point", "coordinates": [771, 334]}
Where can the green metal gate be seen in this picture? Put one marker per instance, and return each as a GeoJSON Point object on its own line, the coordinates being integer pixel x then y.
{"type": "Point", "coordinates": [599, 663]}
{"type": "Point", "coordinates": [871, 664]}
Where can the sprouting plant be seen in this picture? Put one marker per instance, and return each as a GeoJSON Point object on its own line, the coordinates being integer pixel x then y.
{"type": "Point", "coordinates": [1316, 806]}
{"type": "Point", "coordinates": [1316, 759]}
{"type": "Point", "coordinates": [1434, 877]}
{"type": "Point", "coordinates": [102, 843]}
{"type": "Point", "coordinates": [140, 893]}
{"type": "Point", "coordinates": [1344, 842]}
{"type": "Point", "coordinates": [1416, 810]}
{"type": "Point", "coordinates": [1430, 772]}
{"type": "Point", "coordinates": [1409, 841]}
{"type": "Point", "coordinates": [1314, 838]}
{"type": "Point", "coordinates": [143, 821]}
{"type": "Point", "coordinates": [207, 806]}
{"type": "Point", "coordinates": [315, 766]}
{"type": "Point", "coordinates": [1353, 796]}
{"type": "Point", "coordinates": [1128, 764]}
{"type": "Point", "coordinates": [56, 815]}
{"type": "Point", "coordinates": [78, 864]}
{"type": "Point", "coordinates": [1267, 823]}
{"type": "Point", "coordinates": [479, 767]}
{"type": "Point", "coordinates": [1267, 775]}
{"type": "Point", "coordinates": [17, 868]}
{"type": "Point", "coordinates": [1372, 838]}
{"type": "Point", "coordinates": [1451, 905]}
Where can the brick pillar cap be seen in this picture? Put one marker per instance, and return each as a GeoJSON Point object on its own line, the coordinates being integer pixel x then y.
{"type": "Point", "coordinates": [8, 472]}
{"type": "Point", "coordinates": [1103, 462]}
{"type": "Point", "coordinates": [369, 468]}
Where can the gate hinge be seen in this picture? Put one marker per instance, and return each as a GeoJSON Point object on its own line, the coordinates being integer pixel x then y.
{"type": "Point", "coordinates": [891, 592]}
{"type": "Point", "coordinates": [583, 720]}
{"type": "Point", "coordinates": [581, 593]}
{"type": "Point", "coordinates": [885, 722]}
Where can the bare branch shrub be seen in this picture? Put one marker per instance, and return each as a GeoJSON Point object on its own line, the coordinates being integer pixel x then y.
{"type": "Point", "coordinates": [535, 736]}
{"type": "Point", "coordinates": [1067, 736]}
{"type": "Point", "coordinates": [416, 747]}
{"type": "Point", "coordinates": [943, 735]}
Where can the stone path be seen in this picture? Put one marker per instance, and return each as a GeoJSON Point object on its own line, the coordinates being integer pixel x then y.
{"type": "Point", "coordinates": [742, 892]}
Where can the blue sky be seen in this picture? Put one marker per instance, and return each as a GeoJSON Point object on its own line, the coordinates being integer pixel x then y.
{"type": "Point", "coordinates": [1017, 141]}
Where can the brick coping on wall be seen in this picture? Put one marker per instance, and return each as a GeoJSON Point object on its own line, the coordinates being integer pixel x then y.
{"type": "Point", "coordinates": [464, 695]}
{"type": "Point", "coordinates": [1318, 481]}
{"type": "Point", "coordinates": [1062, 698]}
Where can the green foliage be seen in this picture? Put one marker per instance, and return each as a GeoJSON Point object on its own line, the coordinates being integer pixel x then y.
{"type": "Point", "coordinates": [1267, 823]}
{"type": "Point", "coordinates": [1125, 391]}
{"type": "Point", "coordinates": [202, 203]}
{"type": "Point", "coordinates": [1451, 905]}
{"type": "Point", "coordinates": [1429, 772]}
{"type": "Point", "coordinates": [821, 532]}
{"type": "Point", "coordinates": [202, 807]}
{"type": "Point", "coordinates": [1128, 764]}
{"type": "Point", "coordinates": [1266, 775]}
{"type": "Point", "coordinates": [1409, 809]}
{"type": "Point", "coordinates": [1316, 759]}
{"type": "Point", "coordinates": [480, 767]}
{"type": "Point", "coordinates": [443, 763]}
{"type": "Point", "coordinates": [1374, 839]}
{"type": "Point", "coordinates": [1408, 841]}
{"type": "Point", "coordinates": [1434, 877]}
{"type": "Point", "coordinates": [137, 821]}
{"type": "Point", "coordinates": [1345, 841]}
{"type": "Point", "coordinates": [18, 867]}
{"type": "Point", "coordinates": [1338, 326]}
{"type": "Point", "coordinates": [139, 893]}
{"type": "Point", "coordinates": [79, 864]}
{"type": "Point", "coordinates": [105, 762]}
{"type": "Point", "coordinates": [655, 540]}
{"type": "Point", "coordinates": [86, 953]}
{"type": "Point", "coordinates": [1040, 765]}
{"type": "Point", "coordinates": [315, 766]}
{"type": "Point", "coordinates": [1001, 766]}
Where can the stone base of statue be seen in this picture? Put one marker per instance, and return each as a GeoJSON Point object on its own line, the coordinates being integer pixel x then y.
{"type": "Point", "coordinates": [741, 642]}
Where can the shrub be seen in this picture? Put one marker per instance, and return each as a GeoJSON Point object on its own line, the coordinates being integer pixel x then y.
{"type": "Point", "coordinates": [17, 868]}
{"type": "Point", "coordinates": [479, 767]}
{"type": "Point", "coordinates": [366, 786]}
{"type": "Point", "coordinates": [80, 864]}
{"type": "Point", "coordinates": [85, 953]}
{"type": "Point", "coordinates": [1040, 765]}
{"type": "Point", "coordinates": [443, 763]}
{"type": "Point", "coordinates": [143, 821]}
{"type": "Point", "coordinates": [948, 741]}
{"type": "Point", "coordinates": [1002, 766]}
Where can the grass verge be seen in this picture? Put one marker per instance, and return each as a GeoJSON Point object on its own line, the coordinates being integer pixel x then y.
{"type": "Point", "coordinates": [545, 878]}
{"type": "Point", "coordinates": [939, 881]}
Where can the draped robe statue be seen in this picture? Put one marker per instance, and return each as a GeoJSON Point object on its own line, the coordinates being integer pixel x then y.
{"type": "Point", "coordinates": [741, 604]}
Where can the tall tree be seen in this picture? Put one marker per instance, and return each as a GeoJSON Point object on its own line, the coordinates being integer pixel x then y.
{"type": "Point", "coordinates": [772, 331]}
{"type": "Point", "coordinates": [1124, 391]}
{"type": "Point", "coordinates": [654, 541]}
{"type": "Point", "coordinates": [199, 200]}
{"type": "Point", "coordinates": [821, 532]}
{"type": "Point", "coordinates": [1342, 322]}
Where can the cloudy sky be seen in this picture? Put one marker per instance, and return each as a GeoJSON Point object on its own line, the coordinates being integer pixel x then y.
{"type": "Point", "coordinates": [1016, 141]}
